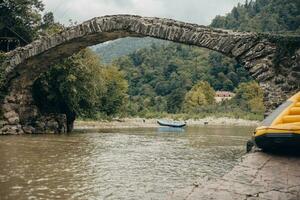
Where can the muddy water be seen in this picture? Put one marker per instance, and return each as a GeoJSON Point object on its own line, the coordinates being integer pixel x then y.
{"type": "Point", "coordinates": [116, 164]}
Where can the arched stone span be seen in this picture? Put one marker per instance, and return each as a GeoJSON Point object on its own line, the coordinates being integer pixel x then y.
{"type": "Point", "coordinates": [257, 52]}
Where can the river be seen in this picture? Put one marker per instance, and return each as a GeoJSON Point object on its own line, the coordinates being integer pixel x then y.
{"type": "Point", "coordinates": [116, 164]}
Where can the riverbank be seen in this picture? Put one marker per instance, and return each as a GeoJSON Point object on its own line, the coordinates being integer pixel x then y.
{"type": "Point", "coordinates": [152, 123]}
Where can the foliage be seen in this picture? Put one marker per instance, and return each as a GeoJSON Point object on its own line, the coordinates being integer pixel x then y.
{"type": "Point", "coordinates": [22, 17]}
{"type": "Point", "coordinates": [160, 76]}
{"type": "Point", "coordinates": [215, 110]}
{"type": "Point", "coordinates": [71, 86]}
{"type": "Point", "coordinates": [81, 86]}
{"type": "Point", "coordinates": [21, 20]}
{"type": "Point", "coordinates": [49, 26]}
{"type": "Point", "coordinates": [249, 96]}
{"type": "Point", "coordinates": [262, 16]}
{"type": "Point", "coordinates": [114, 95]}
{"type": "Point", "coordinates": [201, 94]}
{"type": "Point", "coordinates": [275, 16]}
{"type": "Point", "coordinates": [225, 73]}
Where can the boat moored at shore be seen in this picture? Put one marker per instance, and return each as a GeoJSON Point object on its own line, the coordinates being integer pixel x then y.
{"type": "Point", "coordinates": [174, 124]}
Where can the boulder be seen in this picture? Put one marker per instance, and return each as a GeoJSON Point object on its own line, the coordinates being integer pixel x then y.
{"type": "Point", "coordinates": [13, 121]}
{"type": "Point", "coordinates": [52, 126]}
{"type": "Point", "coordinates": [28, 129]}
{"type": "Point", "coordinates": [6, 107]}
{"type": "Point", "coordinates": [11, 130]}
{"type": "Point", "coordinates": [10, 99]}
{"type": "Point", "coordinates": [10, 114]}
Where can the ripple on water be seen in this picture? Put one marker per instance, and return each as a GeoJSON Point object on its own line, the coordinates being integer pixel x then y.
{"type": "Point", "coordinates": [124, 164]}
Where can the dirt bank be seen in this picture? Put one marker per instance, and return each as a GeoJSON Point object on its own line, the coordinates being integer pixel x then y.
{"type": "Point", "coordinates": [150, 123]}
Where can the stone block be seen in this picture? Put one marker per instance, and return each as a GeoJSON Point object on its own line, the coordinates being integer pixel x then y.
{"type": "Point", "coordinates": [52, 127]}
{"type": "Point", "coordinates": [296, 75]}
{"type": "Point", "coordinates": [13, 121]}
{"type": "Point", "coordinates": [6, 107]}
{"type": "Point", "coordinates": [2, 123]}
{"type": "Point", "coordinates": [11, 130]}
{"type": "Point", "coordinates": [28, 129]}
{"type": "Point", "coordinates": [10, 114]}
{"type": "Point", "coordinates": [10, 99]}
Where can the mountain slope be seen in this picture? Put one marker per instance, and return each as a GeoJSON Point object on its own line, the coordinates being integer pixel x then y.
{"type": "Point", "coordinates": [262, 16]}
{"type": "Point", "coordinates": [111, 50]}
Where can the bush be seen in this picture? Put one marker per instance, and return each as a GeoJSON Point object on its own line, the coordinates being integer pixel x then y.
{"type": "Point", "coordinates": [249, 97]}
{"type": "Point", "coordinates": [81, 86]}
{"type": "Point", "coordinates": [201, 95]}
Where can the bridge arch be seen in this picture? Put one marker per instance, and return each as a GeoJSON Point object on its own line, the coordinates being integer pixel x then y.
{"type": "Point", "coordinates": [24, 65]}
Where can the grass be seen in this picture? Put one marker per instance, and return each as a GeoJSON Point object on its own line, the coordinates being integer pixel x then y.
{"type": "Point", "coordinates": [186, 116]}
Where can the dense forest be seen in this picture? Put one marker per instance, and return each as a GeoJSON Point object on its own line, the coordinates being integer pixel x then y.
{"type": "Point", "coordinates": [148, 77]}
{"type": "Point", "coordinates": [160, 77]}
{"type": "Point", "coordinates": [277, 16]}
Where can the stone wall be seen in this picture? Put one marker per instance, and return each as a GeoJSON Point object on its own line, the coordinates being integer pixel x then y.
{"type": "Point", "coordinates": [257, 52]}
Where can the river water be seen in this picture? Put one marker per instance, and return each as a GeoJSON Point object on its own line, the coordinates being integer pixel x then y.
{"type": "Point", "coordinates": [116, 164]}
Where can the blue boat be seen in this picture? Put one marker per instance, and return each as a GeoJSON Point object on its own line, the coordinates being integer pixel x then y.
{"type": "Point", "coordinates": [174, 124]}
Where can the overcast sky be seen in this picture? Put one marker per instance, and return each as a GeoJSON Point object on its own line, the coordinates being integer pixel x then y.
{"type": "Point", "coordinates": [195, 11]}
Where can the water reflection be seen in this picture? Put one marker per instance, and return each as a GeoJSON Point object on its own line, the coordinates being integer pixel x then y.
{"type": "Point", "coordinates": [170, 130]}
{"type": "Point", "coordinates": [116, 164]}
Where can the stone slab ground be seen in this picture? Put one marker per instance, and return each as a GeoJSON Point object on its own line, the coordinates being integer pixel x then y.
{"type": "Point", "coordinates": [259, 176]}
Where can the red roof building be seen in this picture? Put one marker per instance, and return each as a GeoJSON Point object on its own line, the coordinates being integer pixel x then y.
{"type": "Point", "coordinates": [223, 95]}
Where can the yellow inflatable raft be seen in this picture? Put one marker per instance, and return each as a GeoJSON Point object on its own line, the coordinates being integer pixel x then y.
{"type": "Point", "coordinates": [281, 127]}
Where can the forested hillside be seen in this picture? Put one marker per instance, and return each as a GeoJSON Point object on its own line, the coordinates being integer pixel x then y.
{"type": "Point", "coordinates": [159, 77]}
{"type": "Point", "coordinates": [279, 16]}
{"type": "Point", "coordinates": [111, 50]}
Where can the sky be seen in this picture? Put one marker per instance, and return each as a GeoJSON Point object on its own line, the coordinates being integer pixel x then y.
{"type": "Point", "coordinates": [194, 11]}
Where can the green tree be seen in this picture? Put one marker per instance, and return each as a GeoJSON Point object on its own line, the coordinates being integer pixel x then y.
{"type": "Point", "coordinates": [262, 16]}
{"type": "Point", "coordinates": [49, 26]}
{"type": "Point", "coordinates": [71, 87]}
{"type": "Point", "coordinates": [170, 71]}
{"type": "Point", "coordinates": [22, 17]}
{"type": "Point", "coordinates": [225, 73]}
{"type": "Point", "coordinates": [201, 94]}
{"type": "Point", "coordinates": [116, 88]}
{"type": "Point", "coordinates": [80, 86]}
{"type": "Point", "coordinates": [249, 96]}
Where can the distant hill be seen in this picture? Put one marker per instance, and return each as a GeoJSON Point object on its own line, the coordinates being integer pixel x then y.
{"type": "Point", "coordinates": [111, 50]}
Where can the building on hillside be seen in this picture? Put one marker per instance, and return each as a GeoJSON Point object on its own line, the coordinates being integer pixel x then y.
{"type": "Point", "coordinates": [223, 95]}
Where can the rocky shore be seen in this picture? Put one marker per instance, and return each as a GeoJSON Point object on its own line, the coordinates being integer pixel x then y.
{"type": "Point", "coordinates": [151, 123]}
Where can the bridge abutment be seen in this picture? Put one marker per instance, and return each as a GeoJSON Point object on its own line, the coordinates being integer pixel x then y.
{"type": "Point", "coordinates": [21, 115]}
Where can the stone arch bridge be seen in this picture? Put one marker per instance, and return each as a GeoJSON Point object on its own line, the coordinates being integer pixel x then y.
{"type": "Point", "coordinates": [274, 61]}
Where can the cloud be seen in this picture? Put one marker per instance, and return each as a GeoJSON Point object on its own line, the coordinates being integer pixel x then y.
{"type": "Point", "coordinates": [195, 11]}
